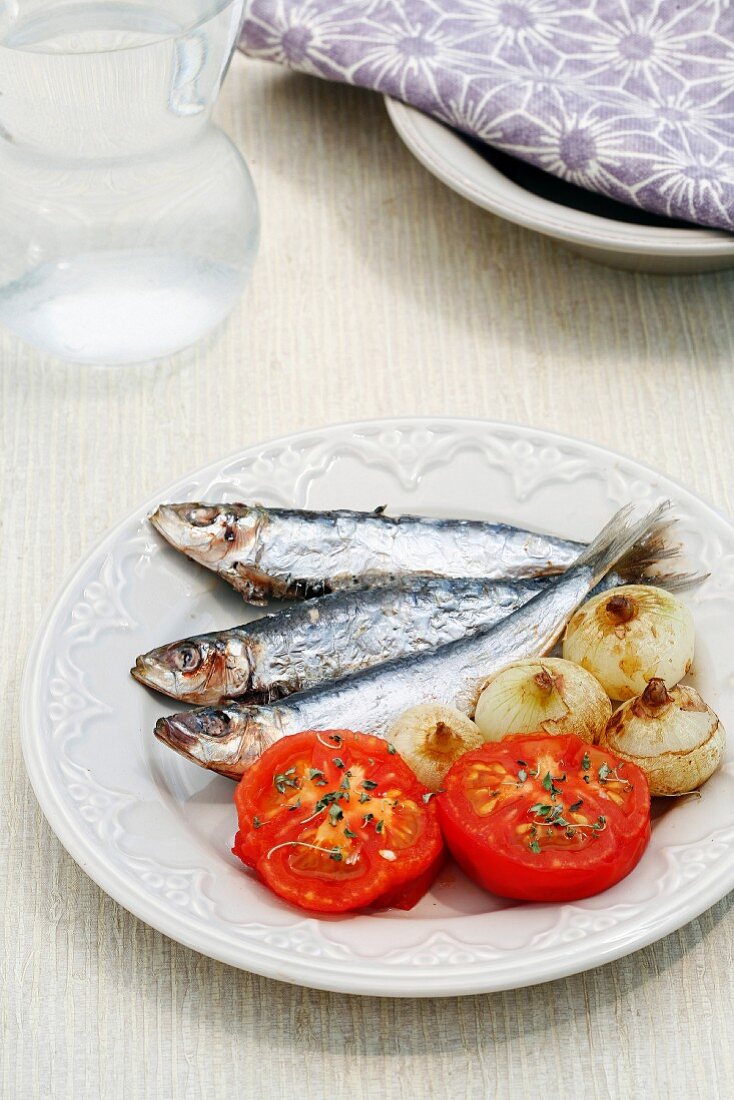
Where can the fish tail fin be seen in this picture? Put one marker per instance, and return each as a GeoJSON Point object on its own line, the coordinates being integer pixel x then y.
{"type": "Point", "coordinates": [640, 565]}
{"type": "Point", "coordinates": [677, 582]}
{"type": "Point", "coordinates": [653, 548]}
{"type": "Point", "coordinates": [618, 538]}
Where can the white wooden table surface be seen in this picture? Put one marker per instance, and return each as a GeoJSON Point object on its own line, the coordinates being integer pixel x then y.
{"type": "Point", "coordinates": [377, 292]}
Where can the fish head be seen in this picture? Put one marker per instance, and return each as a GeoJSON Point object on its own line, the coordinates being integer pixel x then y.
{"type": "Point", "coordinates": [209, 533]}
{"type": "Point", "coordinates": [225, 739]}
{"type": "Point", "coordinates": [201, 669]}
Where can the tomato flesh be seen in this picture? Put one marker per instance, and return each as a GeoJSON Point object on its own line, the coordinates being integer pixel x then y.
{"type": "Point", "coordinates": [541, 818]}
{"type": "Point", "coordinates": [408, 894]}
{"type": "Point", "coordinates": [334, 820]}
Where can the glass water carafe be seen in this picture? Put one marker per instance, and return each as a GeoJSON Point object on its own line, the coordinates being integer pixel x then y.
{"type": "Point", "coordinates": [128, 221]}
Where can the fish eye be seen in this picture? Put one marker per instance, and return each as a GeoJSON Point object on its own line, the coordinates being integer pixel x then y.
{"type": "Point", "coordinates": [213, 723]}
{"type": "Point", "coordinates": [202, 516]}
{"type": "Point", "coordinates": [187, 658]}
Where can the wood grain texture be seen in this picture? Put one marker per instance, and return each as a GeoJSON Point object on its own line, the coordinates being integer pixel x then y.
{"type": "Point", "coordinates": [377, 292]}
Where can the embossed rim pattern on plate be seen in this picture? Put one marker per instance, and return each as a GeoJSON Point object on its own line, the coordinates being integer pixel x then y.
{"type": "Point", "coordinates": [456, 955]}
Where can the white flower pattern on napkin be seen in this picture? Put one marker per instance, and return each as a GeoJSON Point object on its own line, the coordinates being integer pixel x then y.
{"type": "Point", "coordinates": [635, 101]}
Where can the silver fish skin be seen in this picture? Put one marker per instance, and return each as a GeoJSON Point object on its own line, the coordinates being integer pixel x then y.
{"type": "Point", "coordinates": [229, 738]}
{"type": "Point", "coordinates": [336, 635]}
{"type": "Point", "coordinates": [292, 554]}
{"type": "Point", "coordinates": [327, 638]}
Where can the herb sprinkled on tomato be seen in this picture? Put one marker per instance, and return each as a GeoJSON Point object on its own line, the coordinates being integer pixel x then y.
{"type": "Point", "coordinates": [322, 849]}
{"type": "Point", "coordinates": [572, 821]}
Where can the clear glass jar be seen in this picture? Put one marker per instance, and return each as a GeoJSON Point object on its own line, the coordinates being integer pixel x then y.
{"type": "Point", "coordinates": [128, 221]}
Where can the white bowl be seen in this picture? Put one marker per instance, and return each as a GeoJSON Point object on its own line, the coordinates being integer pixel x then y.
{"type": "Point", "coordinates": [626, 244]}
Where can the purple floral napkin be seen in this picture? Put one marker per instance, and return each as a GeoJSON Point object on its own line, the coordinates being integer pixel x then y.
{"type": "Point", "coordinates": [630, 98]}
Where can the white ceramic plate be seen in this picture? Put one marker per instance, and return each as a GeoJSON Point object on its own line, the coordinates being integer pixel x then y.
{"type": "Point", "coordinates": [622, 244]}
{"type": "Point", "coordinates": [155, 831]}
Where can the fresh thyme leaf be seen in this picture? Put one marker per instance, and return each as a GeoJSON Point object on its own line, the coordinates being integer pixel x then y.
{"type": "Point", "coordinates": [345, 782]}
{"type": "Point", "coordinates": [550, 786]}
{"type": "Point", "coordinates": [337, 762]}
{"type": "Point", "coordinates": [576, 806]}
{"type": "Point", "coordinates": [315, 773]}
{"type": "Point", "coordinates": [285, 779]}
{"type": "Point", "coordinates": [256, 822]}
{"type": "Point", "coordinates": [604, 772]}
{"type": "Point", "coordinates": [296, 806]}
{"type": "Point", "coordinates": [369, 784]}
{"type": "Point", "coordinates": [587, 779]}
{"type": "Point", "coordinates": [364, 798]}
{"type": "Point", "coordinates": [523, 763]}
{"type": "Point", "coordinates": [535, 847]}
{"type": "Point", "coordinates": [391, 749]}
{"type": "Point", "coordinates": [348, 832]}
{"type": "Point", "coordinates": [336, 854]}
{"type": "Point", "coordinates": [336, 738]}
{"type": "Point", "coordinates": [541, 808]}
{"type": "Point", "coordinates": [380, 827]}
{"type": "Point", "coordinates": [522, 776]}
{"type": "Point", "coordinates": [366, 818]}
{"type": "Point", "coordinates": [335, 814]}
{"type": "Point", "coordinates": [586, 761]}
{"type": "Point", "coordinates": [326, 800]}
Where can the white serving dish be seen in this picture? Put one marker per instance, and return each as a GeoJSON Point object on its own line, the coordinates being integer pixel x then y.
{"type": "Point", "coordinates": [155, 831]}
{"type": "Point", "coordinates": [629, 245]}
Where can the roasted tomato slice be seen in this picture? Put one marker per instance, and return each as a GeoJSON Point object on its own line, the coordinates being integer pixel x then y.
{"type": "Point", "coordinates": [335, 820]}
{"type": "Point", "coordinates": [544, 818]}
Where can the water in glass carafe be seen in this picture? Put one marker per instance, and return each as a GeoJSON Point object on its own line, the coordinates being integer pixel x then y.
{"type": "Point", "coordinates": [128, 221]}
